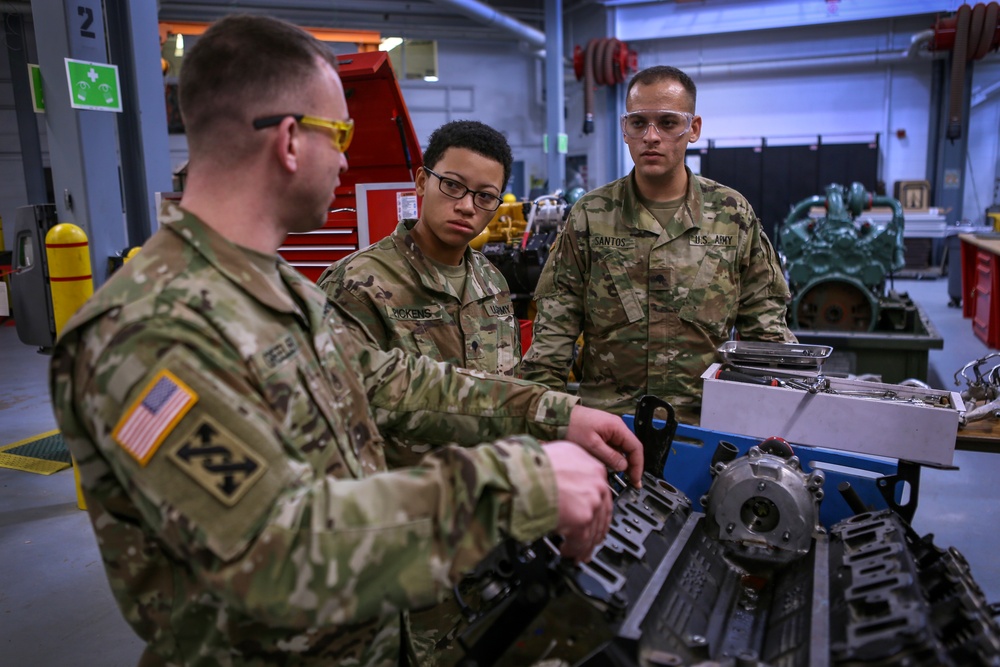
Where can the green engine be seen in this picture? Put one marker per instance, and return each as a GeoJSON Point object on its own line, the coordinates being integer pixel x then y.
{"type": "Point", "coordinates": [838, 264]}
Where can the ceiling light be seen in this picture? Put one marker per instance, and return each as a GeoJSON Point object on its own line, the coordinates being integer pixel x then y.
{"type": "Point", "coordinates": [389, 43]}
{"type": "Point", "coordinates": [179, 46]}
{"type": "Point", "coordinates": [430, 78]}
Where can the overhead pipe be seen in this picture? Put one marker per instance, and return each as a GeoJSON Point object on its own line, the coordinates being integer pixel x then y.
{"type": "Point", "coordinates": [780, 65]}
{"type": "Point", "coordinates": [920, 45]}
{"type": "Point", "coordinates": [490, 17]}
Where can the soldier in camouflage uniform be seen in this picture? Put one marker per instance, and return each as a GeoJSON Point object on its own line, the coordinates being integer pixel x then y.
{"type": "Point", "coordinates": [425, 291]}
{"type": "Point", "coordinates": [228, 429]}
{"type": "Point", "coordinates": [655, 269]}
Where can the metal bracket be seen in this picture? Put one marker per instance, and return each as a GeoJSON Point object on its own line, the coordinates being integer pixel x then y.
{"type": "Point", "coordinates": [908, 472]}
{"type": "Point", "coordinates": [655, 441]}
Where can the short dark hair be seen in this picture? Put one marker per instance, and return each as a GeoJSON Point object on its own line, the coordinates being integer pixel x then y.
{"type": "Point", "coordinates": [242, 64]}
{"type": "Point", "coordinates": [658, 73]}
{"type": "Point", "coordinates": [473, 135]}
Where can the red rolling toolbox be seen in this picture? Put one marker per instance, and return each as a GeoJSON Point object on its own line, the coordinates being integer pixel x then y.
{"type": "Point", "coordinates": [378, 187]}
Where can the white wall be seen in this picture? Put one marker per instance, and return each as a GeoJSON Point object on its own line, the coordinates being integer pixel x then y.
{"type": "Point", "coordinates": [982, 166]}
{"type": "Point", "coordinates": [850, 82]}
{"type": "Point", "coordinates": [745, 90]}
{"type": "Point", "coordinates": [496, 84]}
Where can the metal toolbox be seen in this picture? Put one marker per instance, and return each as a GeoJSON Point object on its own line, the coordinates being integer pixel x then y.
{"type": "Point", "coordinates": [774, 355]}
{"type": "Point", "coordinates": [912, 431]}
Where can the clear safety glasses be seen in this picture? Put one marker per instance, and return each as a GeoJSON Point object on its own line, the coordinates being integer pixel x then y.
{"type": "Point", "coordinates": [668, 124]}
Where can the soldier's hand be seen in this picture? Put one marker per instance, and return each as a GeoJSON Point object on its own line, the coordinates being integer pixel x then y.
{"type": "Point", "coordinates": [585, 503]}
{"type": "Point", "coordinates": [607, 438]}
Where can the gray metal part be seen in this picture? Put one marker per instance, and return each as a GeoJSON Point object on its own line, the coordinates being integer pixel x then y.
{"type": "Point", "coordinates": [776, 485]}
{"type": "Point", "coordinates": [31, 300]}
{"type": "Point", "coordinates": [133, 39]}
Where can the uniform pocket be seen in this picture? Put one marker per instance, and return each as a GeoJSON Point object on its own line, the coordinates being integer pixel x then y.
{"type": "Point", "coordinates": [508, 344]}
{"type": "Point", "coordinates": [712, 298]}
{"type": "Point", "coordinates": [613, 296]}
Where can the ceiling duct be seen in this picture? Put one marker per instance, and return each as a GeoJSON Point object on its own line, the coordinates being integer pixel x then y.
{"type": "Point", "coordinates": [490, 17]}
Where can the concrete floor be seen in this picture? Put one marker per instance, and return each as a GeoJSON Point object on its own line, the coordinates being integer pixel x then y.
{"type": "Point", "coordinates": [56, 608]}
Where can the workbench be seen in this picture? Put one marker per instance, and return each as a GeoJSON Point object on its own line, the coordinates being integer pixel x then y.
{"type": "Point", "coordinates": [980, 436]}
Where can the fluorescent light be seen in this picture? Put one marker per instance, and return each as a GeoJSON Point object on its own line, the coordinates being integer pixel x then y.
{"type": "Point", "coordinates": [179, 46]}
{"type": "Point", "coordinates": [389, 43]}
{"type": "Point", "coordinates": [431, 79]}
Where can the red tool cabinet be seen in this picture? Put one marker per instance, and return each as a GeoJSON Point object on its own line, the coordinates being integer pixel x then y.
{"type": "Point", "coordinates": [382, 163]}
{"type": "Point", "coordinates": [981, 287]}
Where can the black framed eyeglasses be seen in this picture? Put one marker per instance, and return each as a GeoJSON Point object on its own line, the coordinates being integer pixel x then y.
{"type": "Point", "coordinates": [455, 190]}
{"type": "Point", "coordinates": [340, 131]}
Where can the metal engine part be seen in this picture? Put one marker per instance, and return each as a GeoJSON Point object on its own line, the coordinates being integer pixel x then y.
{"type": "Point", "coordinates": [661, 591]}
{"type": "Point", "coordinates": [837, 265]}
{"type": "Point", "coordinates": [762, 507]}
{"type": "Point", "coordinates": [518, 241]}
{"type": "Point", "coordinates": [982, 390]}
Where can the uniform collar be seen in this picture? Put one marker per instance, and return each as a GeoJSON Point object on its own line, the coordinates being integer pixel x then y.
{"type": "Point", "coordinates": [430, 277]}
{"type": "Point", "coordinates": [688, 216]}
{"type": "Point", "coordinates": [229, 260]}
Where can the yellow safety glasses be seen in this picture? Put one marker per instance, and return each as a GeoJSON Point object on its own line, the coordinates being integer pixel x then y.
{"type": "Point", "coordinates": [340, 131]}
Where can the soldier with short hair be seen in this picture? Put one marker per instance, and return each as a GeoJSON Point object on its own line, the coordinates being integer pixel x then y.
{"type": "Point", "coordinates": [655, 269]}
{"type": "Point", "coordinates": [228, 428]}
{"type": "Point", "coordinates": [423, 290]}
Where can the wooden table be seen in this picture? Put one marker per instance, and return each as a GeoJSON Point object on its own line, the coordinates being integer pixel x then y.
{"type": "Point", "coordinates": [980, 436]}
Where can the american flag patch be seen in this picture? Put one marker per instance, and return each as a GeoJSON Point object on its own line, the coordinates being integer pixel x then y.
{"type": "Point", "coordinates": [163, 403]}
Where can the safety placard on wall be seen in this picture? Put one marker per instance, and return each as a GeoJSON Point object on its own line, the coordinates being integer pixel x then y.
{"type": "Point", "coordinates": [381, 206]}
{"type": "Point", "coordinates": [93, 86]}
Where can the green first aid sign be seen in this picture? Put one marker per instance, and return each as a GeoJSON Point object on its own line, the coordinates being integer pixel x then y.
{"type": "Point", "coordinates": [35, 79]}
{"type": "Point", "coordinates": [93, 85]}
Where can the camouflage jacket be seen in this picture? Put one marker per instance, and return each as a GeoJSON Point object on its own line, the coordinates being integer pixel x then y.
{"type": "Point", "coordinates": [227, 432]}
{"type": "Point", "coordinates": [653, 303]}
{"type": "Point", "coordinates": [395, 297]}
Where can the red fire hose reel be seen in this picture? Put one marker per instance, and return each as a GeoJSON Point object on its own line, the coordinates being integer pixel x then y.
{"type": "Point", "coordinates": [970, 34]}
{"type": "Point", "coordinates": [605, 61]}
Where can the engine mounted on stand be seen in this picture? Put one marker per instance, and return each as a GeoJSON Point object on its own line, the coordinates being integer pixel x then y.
{"type": "Point", "coordinates": [838, 264]}
{"type": "Point", "coordinates": [754, 581]}
{"type": "Point", "coordinates": [840, 268]}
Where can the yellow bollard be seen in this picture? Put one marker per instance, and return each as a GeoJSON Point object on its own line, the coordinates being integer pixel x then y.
{"type": "Point", "coordinates": [70, 281]}
{"type": "Point", "coordinates": [71, 284]}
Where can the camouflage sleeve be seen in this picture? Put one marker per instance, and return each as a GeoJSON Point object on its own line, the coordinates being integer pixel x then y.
{"type": "Point", "coordinates": [764, 293]}
{"type": "Point", "coordinates": [356, 311]}
{"type": "Point", "coordinates": [559, 302]}
{"type": "Point", "coordinates": [435, 402]}
{"type": "Point", "coordinates": [285, 544]}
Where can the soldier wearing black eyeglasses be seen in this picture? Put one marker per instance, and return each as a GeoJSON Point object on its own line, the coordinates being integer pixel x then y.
{"type": "Point", "coordinates": [423, 289]}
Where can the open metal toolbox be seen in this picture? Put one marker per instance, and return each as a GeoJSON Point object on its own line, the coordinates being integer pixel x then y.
{"type": "Point", "coordinates": [910, 423]}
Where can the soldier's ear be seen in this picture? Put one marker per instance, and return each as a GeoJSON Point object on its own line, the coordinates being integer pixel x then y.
{"type": "Point", "coordinates": [695, 132]}
{"type": "Point", "coordinates": [421, 182]}
{"type": "Point", "coordinates": [288, 144]}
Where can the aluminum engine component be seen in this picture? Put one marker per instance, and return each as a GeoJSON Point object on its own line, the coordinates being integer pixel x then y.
{"type": "Point", "coordinates": [762, 507]}
{"type": "Point", "coordinates": [663, 591]}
